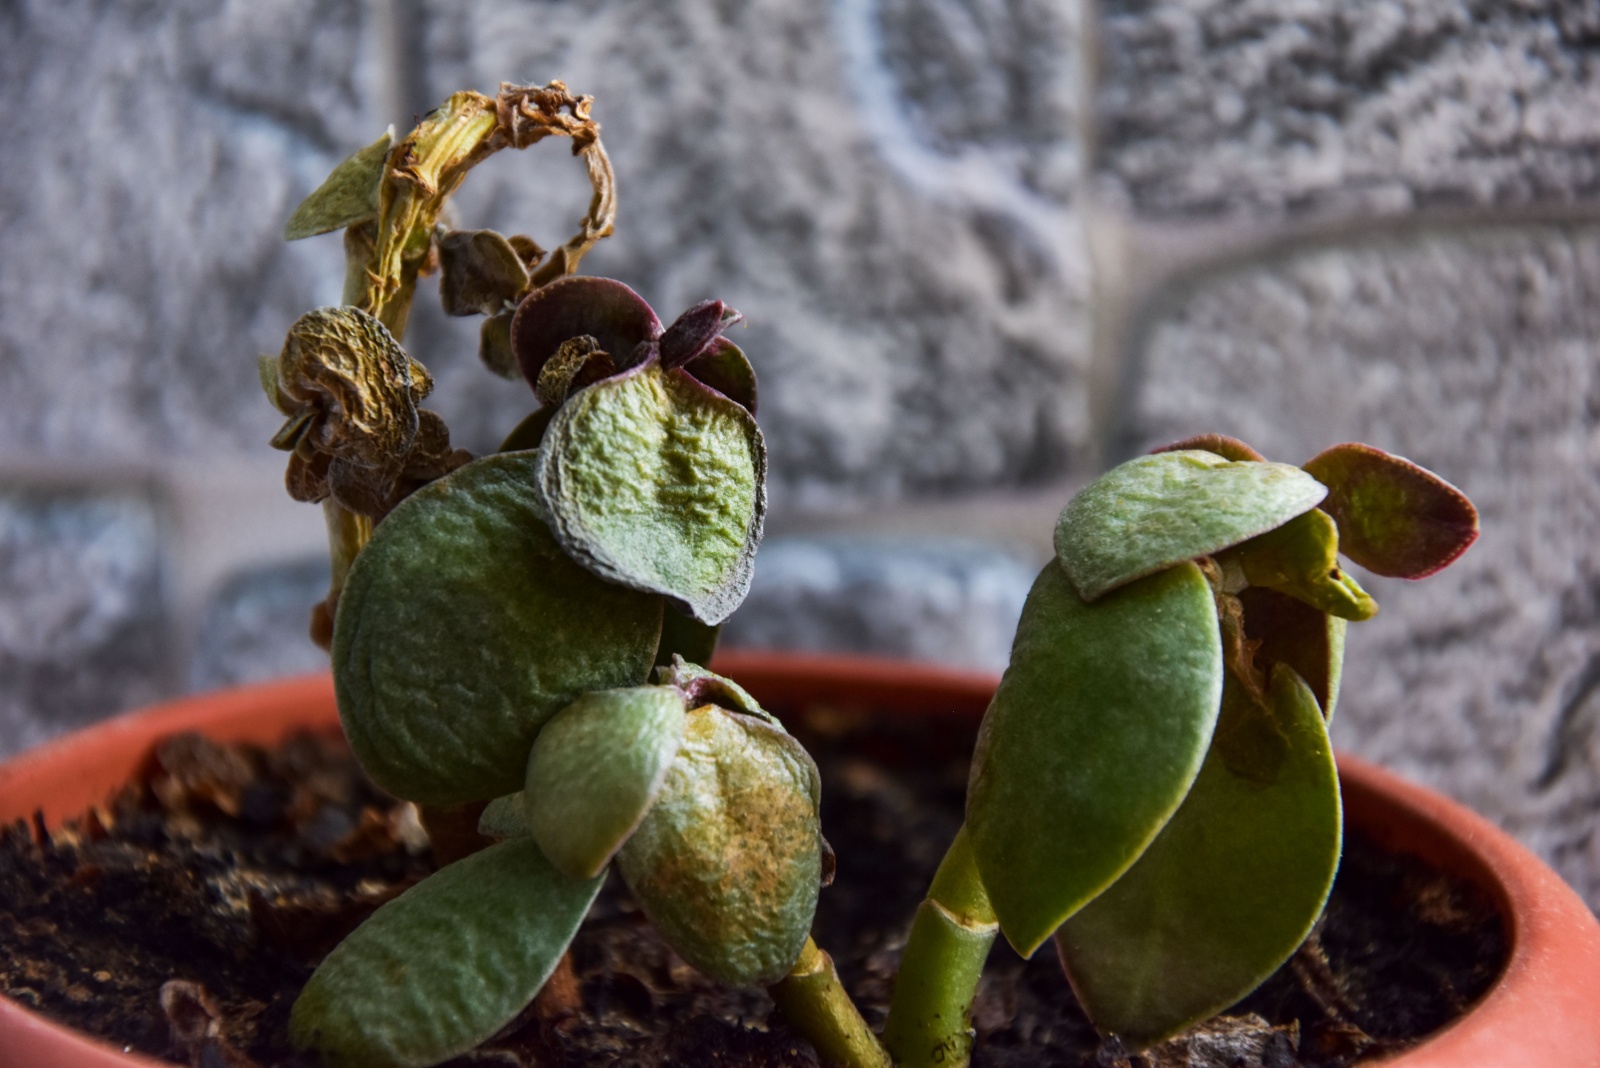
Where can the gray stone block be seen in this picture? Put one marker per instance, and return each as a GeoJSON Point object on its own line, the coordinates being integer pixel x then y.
{"type": "Point", "coordinates": [1213, 107]}
{"type": "Point", "coordinates": [954, 603]}
{"type": "Point", "coordinates": [904, 245]}
{"type": "Point", "coordinates": [84, 631]}
{"type": "Point", "coordinates": [1473, 353]}
{"type": "Point", "coordinates": [153, 153]}
{"type": "Point", "coordinates": [256, 626]}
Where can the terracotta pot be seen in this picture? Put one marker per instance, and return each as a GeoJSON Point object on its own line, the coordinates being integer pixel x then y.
{"type": "Point", "coordinates": [1543, 1011]}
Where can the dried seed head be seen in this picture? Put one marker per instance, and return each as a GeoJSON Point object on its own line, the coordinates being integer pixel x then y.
{"type": "Point", "coordinates": [578, 362]}
{"type": "Point", "coordinates": [351, 395]}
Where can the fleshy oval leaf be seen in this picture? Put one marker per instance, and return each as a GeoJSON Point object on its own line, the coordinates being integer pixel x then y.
{"type": "Point", "coordinates": [606, 310]}
{"type": "Point", "coordinates": [728, 862]}
{"type": "Point", "coordinates": [1395, 517]}
{"type": "Point", "coordinates": [445, 965]}
{"type": "Point", "coordinates": [654, 482]}
{"type": "Point", "coordinates": [348, 195]}
{"type": "Point", "coordinates": [1155, 511]}
{"type": "Point", "coordinates": [1099, 727]}
{"type": "Point", "coordinates": [1228, 890]}
{"type": "Point", "coordinates": [464, 627]}
{"type": "Point", "coordinates": [596, 769]}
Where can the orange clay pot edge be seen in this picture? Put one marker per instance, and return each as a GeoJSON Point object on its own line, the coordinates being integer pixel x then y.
{"type": "Point", "coordinates": [1545, 1008]}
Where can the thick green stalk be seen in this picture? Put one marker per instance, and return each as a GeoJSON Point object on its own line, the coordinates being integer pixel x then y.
{"type": "Point", "coordinates": [815, 1003]}
{"type": "Point", "coordinates": [930, 1014]}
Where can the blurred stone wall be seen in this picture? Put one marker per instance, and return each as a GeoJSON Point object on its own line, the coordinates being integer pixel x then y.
{"type": "Point", "coordinates": [985, 248]}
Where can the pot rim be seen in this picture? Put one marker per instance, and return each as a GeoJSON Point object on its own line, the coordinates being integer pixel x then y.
{"type": "Point", "coordinates": [1545, 998]}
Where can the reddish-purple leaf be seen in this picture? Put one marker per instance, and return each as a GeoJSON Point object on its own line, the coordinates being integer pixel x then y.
{"type": "Point", "coordinates": [724, 367]}
{"type": "Point", "coordinates": [1395, 518]}
{"type": "Point", "coordinates": [694, 330]}
{"type": "Point", "coordinates": [608, 311]}
{"type": "Point", "coordinates": [1218, 444]}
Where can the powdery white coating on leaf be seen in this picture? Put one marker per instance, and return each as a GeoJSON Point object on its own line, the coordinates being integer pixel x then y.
{"type": "Point", "coordinates": [596, 769]}
{"type": "Point", "coordinates": [728, 863]}
{"type": "Point", "coordinates": [1203, 918]}
{"type": "Point", "coordinates": [1155, 511]}
{"type": "Point", "coordinates": [657, 483]}
{"type": "Point", "coordinates": [463, 627]}
{"type": "Point", "coordinates": [445, 965]}
{"type": "Point", "coordinates": [1094, 737]}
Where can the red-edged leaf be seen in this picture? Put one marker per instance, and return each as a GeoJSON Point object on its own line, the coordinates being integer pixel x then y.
{"type": "Point", "coordinates": [1220, 444]}
{"type": "Point", "coordinates": [1395, 518]}
{"type": "Point", "coordinates": [606, 310]}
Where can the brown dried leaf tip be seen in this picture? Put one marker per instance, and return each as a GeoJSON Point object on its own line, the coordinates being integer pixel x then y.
{"type": "Point", "coordinates": [356, 434]}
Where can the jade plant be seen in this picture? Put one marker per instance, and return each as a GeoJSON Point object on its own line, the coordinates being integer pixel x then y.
{"type": "Point", "coordinates": [519, 642]}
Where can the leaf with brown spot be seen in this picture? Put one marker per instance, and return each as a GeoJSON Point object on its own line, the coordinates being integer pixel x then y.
{"type": "Point", "coordinates": [1395, 518]}
{"type": "Point", "coordinates": [728, 863]}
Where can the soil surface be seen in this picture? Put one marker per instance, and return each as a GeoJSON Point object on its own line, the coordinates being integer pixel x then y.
{"type": "Point", "coordinates": [182, 918]}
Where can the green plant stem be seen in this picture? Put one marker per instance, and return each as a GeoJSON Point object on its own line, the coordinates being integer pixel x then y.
{"type": "Point", "coordinates": [815, 1003]}
{"type": "Point", "coordinates": [930, 1014]}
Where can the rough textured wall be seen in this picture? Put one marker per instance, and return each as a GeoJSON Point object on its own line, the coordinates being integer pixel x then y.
{"type": "Point", "coordinates": [1260, 108]}
{"type": "Point", "coordinates": [905, 247]}
{"type": "Point", "coordinates": [153, 152]}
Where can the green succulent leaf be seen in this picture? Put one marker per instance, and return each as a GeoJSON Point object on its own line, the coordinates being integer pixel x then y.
{"type": "Point", "coordinates": [1301, 558]}
{"type": "Point", "coordinates": [463, 628]}
{"type": "Point", "coordinates": [1231, 886]}
{"type": "Point", "coordinates": [656, 483]}
{"type": "Point", "coordinates": [1098, 729]}
{"type": "Point", "coordinates": [728, 862]}
{"type": "Point", "coordinates": [504, 817]}
{"type": "Point", "coordinates": [1286, 630]}
{"type": "Point", "coordinates": [1155, 511]}
{"type": "Point", "coordinates": [348, 195]}
{"type": "Point", "coordinates": [596, 769]}
{"type": "Point", "coordinates": [445, 965]}
{"type": "Point", "coordinates": [1395, 518]}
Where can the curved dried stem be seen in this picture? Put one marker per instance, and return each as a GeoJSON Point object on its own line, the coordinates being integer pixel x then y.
{"type": "Point", "coordinates": [429, 164]}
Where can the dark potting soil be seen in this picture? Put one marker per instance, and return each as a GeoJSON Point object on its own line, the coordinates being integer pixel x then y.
{"type": "Point", "coordinates": [182, 918]}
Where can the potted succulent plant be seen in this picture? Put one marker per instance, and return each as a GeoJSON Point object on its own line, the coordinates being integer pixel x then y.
{"type": "Point", "coordinates": [518, 642]}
